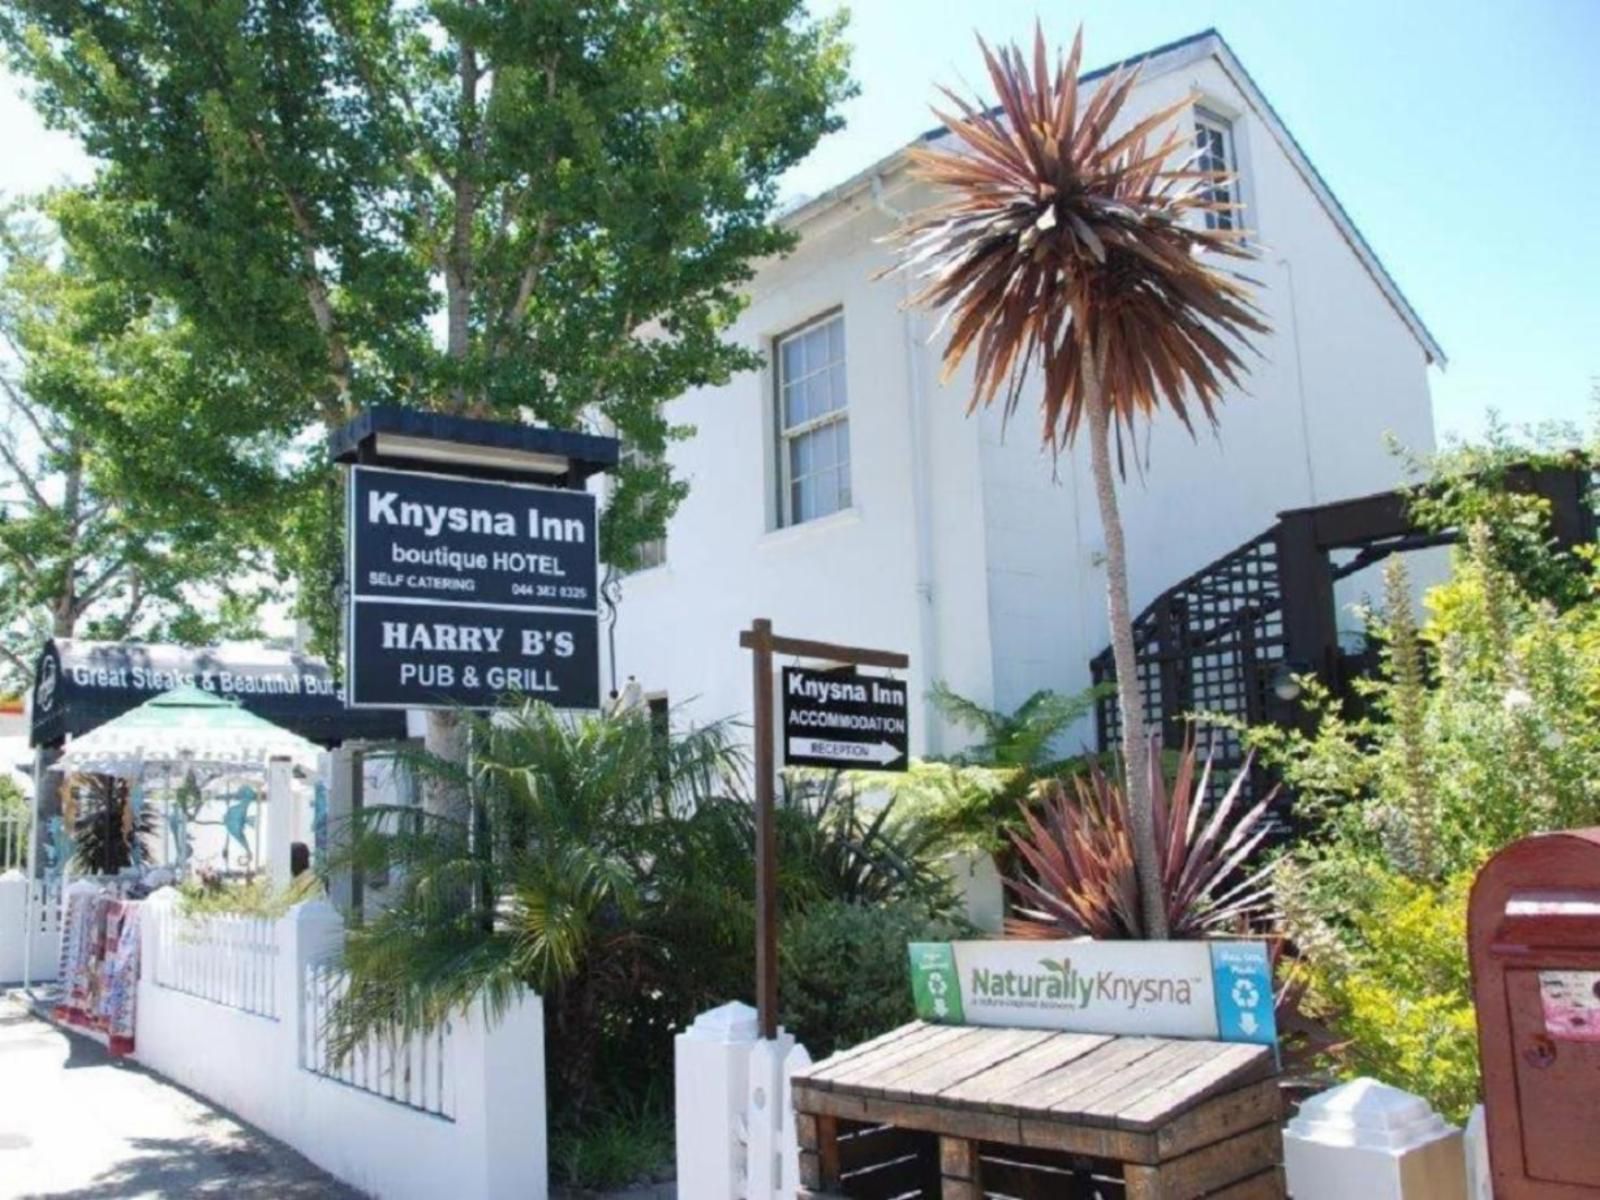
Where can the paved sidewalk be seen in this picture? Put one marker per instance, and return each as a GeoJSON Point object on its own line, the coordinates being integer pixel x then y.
{"type": "Point", "coordinates": [74, 1123]}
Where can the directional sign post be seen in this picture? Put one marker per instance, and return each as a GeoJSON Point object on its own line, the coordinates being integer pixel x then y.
{"type": "Point", "coordinates": [867, 731]}
{"type": "Point", "coordinates": [851, 722]}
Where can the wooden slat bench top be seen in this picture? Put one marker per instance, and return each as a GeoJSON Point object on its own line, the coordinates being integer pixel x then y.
{"type": "Point", "coordinates": [1136, 1084]}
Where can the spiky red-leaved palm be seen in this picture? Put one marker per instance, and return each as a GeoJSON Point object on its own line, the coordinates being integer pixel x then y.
{"type": "Point", "coordinates": [1083, 253]}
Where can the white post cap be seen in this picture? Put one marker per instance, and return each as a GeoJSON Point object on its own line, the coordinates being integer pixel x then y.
{"type": "Point", "coordinates": [732, 1022]}
{"type": "Point", "coordinates": [1368, 1115]}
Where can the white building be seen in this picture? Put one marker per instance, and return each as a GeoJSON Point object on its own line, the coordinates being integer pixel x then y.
{"type": "Point", "coordinates": [843, 492]}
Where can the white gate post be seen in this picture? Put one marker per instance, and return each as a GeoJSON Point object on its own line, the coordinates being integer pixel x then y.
{"type": "Point", "coordinates": [712, 1075]}
{"type": "Point", "coordinates": [1365, 1140]}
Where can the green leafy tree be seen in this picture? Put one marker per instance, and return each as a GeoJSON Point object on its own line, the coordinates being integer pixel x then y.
{"type": "Point", "coordinates": [95, 540]}
{"type": "Point", "coordinates": [537, 211]}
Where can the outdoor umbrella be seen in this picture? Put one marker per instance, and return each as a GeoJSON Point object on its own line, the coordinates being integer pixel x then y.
{"type": "Point", "coordinates": [183, 727]}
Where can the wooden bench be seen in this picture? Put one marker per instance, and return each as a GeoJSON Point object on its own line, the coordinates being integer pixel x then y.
{"type": "Point", "coordinates": [961, 1113]}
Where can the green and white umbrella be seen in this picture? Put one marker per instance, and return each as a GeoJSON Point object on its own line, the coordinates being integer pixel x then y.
{"type": "Point", "coordinates": [186, 727]}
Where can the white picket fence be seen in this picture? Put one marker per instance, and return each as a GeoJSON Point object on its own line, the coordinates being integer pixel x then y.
{"type": "Point", "coordinates": [410, 1069]}
{"type": "Point", "coordinates": [22, 922]}
{"type": "Point", "coordinates": [227, 959]}
{"type": "Point", "coordinates": [237, 1010]}
{"type": "Point", "coordinates": [14, 829]}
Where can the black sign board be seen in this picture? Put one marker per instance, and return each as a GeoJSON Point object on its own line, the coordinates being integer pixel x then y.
{"type": "Point", "coordinates": [80, 685]}
{"type": "Point", "coordinates": [467, 541]}
{"type": "Point", "coordinates": [463, 591]}
{"type": "Point", "coordinates": [848, 721]}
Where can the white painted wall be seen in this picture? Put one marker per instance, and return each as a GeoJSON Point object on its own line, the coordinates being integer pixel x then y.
{"type": "Point", "coordinates": [21, 921]}
{"type": "Point", "coordinates": [1008, 595]}
{"type": "Point", "coordinates": [490, 1145]}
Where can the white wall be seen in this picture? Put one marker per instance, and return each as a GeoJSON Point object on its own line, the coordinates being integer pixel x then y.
{"type": "Point", "coordinates": [1008, 595]}
{"type": "Point", "coordinates": [847, 577]}
{"type": "Point", "coordinates": [21, 921]}
{"type": "Point", "coordinates": [482, 1136]}
{"type": "Point", "coordinates": [1339, 372]}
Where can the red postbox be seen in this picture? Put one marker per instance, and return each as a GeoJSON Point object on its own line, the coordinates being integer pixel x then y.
{"type": "Point", "coordinates": [1534, 932]}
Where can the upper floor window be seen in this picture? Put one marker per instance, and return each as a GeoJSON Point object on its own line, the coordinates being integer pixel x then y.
{"type": "Point", "coordinates": [813, 421]}
{"type": "Point", "coordinates": [1214, 138]}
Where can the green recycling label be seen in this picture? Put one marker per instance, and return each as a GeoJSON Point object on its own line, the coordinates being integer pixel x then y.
{"type": "Point", "coordinates": [935, 983]}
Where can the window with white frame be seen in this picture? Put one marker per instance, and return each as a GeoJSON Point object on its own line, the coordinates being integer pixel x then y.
{"type": "Point", "coordinates": [813, 421]}
{"type": "Point", "coordinates": [1214, 139]}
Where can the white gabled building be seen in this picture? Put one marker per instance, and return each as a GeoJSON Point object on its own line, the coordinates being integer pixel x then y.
{"type": "Point", "coordinates": [843, 491]}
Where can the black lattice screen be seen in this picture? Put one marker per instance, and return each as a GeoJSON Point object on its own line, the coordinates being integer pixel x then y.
{"type": "Point", "coordinates": [1211, 644]}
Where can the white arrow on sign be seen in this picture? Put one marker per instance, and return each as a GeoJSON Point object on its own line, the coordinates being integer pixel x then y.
{"type": "Point", "coordinates": [881, 753]}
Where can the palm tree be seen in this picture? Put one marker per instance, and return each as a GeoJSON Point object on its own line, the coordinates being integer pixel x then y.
{"type": "Point", "coordinates": [1084, 253]}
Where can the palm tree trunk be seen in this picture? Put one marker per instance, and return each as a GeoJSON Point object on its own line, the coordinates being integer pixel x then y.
{"type": "Point", "coordinates": [1135, 743]}
{"type": "Point", "coordinates": [445, 738]}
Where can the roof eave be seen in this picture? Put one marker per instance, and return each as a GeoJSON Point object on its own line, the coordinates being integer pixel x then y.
{"type": "Point", "coordinates": [1159, 61]}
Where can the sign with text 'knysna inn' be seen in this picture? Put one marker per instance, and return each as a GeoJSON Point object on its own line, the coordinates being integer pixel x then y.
{"type": "Point", "coordinates": [463, 591]}
{"type": "Point", "coordinates": [844, 720]}
{"type": "Point", "coordinates": [1203, 989]}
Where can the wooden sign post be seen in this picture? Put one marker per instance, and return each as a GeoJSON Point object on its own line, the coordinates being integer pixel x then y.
{"type": "Point", "coordinates": [763, 644]}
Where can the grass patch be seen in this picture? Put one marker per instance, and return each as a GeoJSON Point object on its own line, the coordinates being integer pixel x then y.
{"type": "Point", "coordinates": [626, 1140]}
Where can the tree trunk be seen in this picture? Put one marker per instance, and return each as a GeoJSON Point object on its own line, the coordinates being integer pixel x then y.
{"type": "Point", "coordinates": [446, 738]}
{"type": "Point", "coordinates": [1135, 742]}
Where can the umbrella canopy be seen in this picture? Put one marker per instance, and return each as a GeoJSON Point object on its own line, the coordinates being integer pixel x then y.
{"type": "Point", "coordinates": [183, 727]}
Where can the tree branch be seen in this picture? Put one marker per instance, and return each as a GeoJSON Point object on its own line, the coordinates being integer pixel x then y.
{"type": "Point", "coordinates": [316, 290]}
{"type": "Point", "coordinates": [35, 496]}
{"type": "Point", "coordinates": [19, 400]}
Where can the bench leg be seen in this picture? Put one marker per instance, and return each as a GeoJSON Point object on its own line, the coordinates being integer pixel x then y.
{"type": "Point", "coordinates": [960, 1173]}
{"type": "Point", "coordinates": [819, 1150]}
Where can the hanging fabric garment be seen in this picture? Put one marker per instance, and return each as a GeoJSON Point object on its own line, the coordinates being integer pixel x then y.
{"type": "Point", "coordinates": [121, 980]}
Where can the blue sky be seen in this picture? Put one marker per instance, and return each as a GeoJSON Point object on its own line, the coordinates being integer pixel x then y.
{"type": "Point", "coordinates": [1462, 136]}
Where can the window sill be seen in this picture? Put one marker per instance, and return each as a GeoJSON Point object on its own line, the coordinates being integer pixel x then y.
{"type": "Point", "coordinates": [783, 535]}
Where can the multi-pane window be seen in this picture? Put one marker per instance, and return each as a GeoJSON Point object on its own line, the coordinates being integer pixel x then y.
{"type": "Point", "coordinates": [1214, 139]}
{"type": "Point", "coordinates": [813, 421]}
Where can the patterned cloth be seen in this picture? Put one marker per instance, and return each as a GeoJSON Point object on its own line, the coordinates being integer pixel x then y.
{"type": "Point", "coordinates": [100, 967]}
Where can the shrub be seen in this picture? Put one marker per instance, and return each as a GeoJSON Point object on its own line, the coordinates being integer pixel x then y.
{"type": "Point", "coordinates": [1483, 727]}
{"type": "Point", "coordinates": [612, 869]}
{"type": "Point", "coordinates": [1076, 875]}
{"type": "Point", "coordinates": [843, 974]}
{"type": "Point", "coordinates": [1395, 982]}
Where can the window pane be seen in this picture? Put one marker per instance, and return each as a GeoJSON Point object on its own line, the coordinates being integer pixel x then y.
{"type": "Point", "coordinates": [823, 456]}
{"type": "Point", "coordinates": [791, 359]}
{"type": "Point", "coordinates": [835, 378]}
{"type": "Point", "coordinates": [799, 456]}
{"type": "Point", "coordinates": [843, 434]}
{"type": "Point", "coordinates": [836, 340]}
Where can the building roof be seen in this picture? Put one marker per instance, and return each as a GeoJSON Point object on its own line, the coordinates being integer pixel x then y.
{"type": "Point", "coordinates": [1208, 43]}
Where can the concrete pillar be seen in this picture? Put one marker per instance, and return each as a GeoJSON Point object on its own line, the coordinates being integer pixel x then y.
{"type": "Point", "coordinates": [342, 800]}
{"type": "Point", "coordinates": [311, 932]}
{"type": "Point", "coordinates": [1365, 1140]}
{"type": "Point", "coordinates": [712, 1069]}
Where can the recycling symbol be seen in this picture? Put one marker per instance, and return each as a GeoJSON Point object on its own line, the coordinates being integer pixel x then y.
{"type": "Point", "coordinates": [1245, 994]}
{"type": "Point", "coordinates": [937, 985]}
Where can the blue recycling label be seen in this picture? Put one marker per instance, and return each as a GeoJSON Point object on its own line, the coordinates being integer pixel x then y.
{"type": "Point", "coordinates": [1242, 976]}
